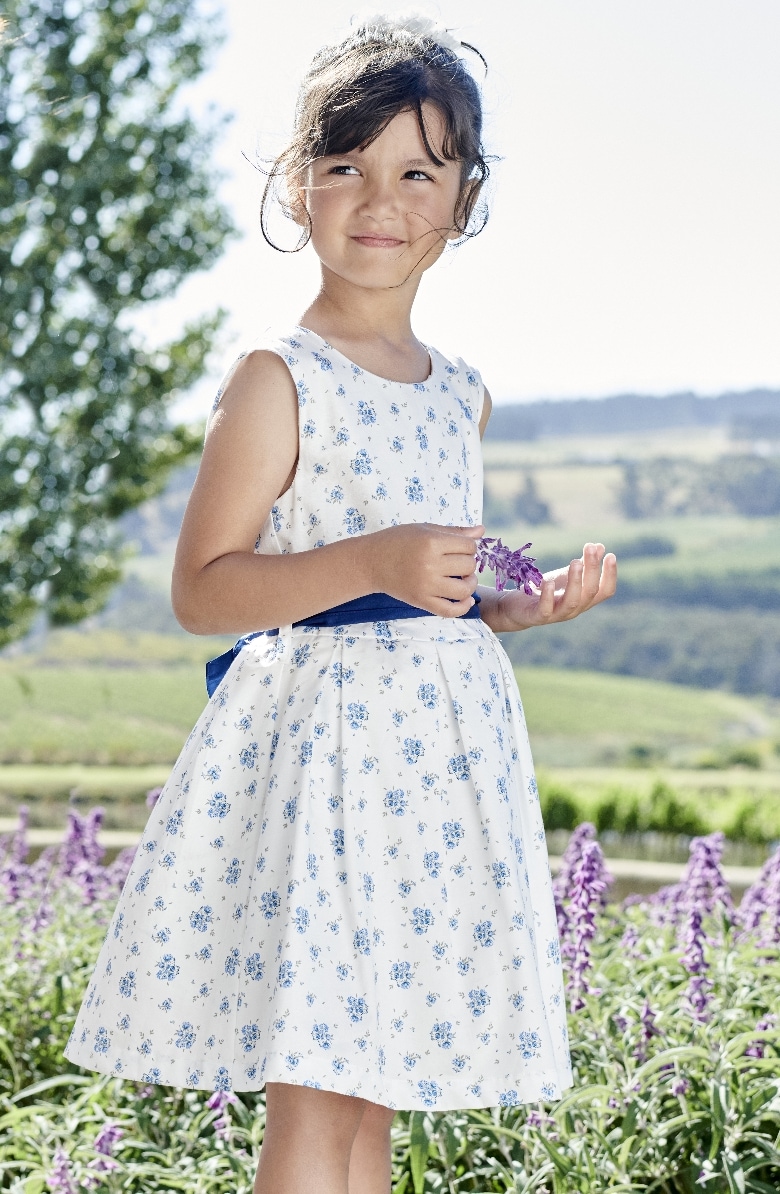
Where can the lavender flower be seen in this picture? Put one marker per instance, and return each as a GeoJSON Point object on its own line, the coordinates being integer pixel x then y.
{"type": "Point", "coordinates": [760, 907]}
{"type": "Point", "coordinates": [695, 963]}
{"type": "Point", "coordinates": [220, 1101]}
{"type": "Point", "coordinates": [563, 884]}
{"type": "Point", "coordinates": [508, 565]}
{"type": "Point", "coordinates": [705, 883]}
{"type": "Point", "coordinates": [679, 1087]}
{"type": "Point", "coordinates": [649, 1030]}
{"type": "Point", "coordinates": [591, 881]}
{"type": "Point", "coordinates": [758, 1048]}
{"type": "Point", "coordinates": [60, 1178]}
{"type": "Point", "coordinates": [108, 1136]}
{"type": "Point", "coordinates": [152, 796]}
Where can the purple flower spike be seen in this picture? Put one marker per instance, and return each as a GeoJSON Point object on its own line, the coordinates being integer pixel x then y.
{"type": "Point", "coordinates": [649, 1030]}
{"type": "Point", "coordinates": [591, 881]}
{"type": "Point", "coordinates": [759, 911]}
{"type": "Point", "coordinates": [152, 796]}
{"type": "Point", "coordinates": [508, 565]}
{"type": "Point", "coordinates": [60, 1179]}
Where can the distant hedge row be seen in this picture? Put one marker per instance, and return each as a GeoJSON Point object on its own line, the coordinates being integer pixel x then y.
{"type": "Point", "coordinates": [747, 818]}
{"type": "Point", "coordinates": [707, 648]}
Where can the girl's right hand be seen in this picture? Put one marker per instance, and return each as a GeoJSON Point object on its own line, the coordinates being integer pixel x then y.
{"type": "Point", "coordinates": [430, 566]}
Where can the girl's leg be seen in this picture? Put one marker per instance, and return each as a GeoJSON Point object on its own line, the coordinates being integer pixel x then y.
{"type": "Point", "coordinates": [369, 1163]}
{"type": "Point", "coordinates": [308, 1138]}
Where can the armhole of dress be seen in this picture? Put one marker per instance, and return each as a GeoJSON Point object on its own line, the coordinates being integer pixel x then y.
{"type": "Point", "coordinates": [481, 405]}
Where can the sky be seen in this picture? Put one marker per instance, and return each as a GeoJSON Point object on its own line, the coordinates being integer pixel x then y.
{"type": "Point", "coordinates": [634, 238]}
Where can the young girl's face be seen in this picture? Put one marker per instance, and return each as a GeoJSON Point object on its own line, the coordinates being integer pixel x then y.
{"type": "Point", "coordinates": [382, 215]}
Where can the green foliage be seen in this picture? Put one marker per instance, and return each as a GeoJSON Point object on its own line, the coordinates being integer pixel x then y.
{"type": "Point", "coordinates": [747, 485]}
{"type": "Point", "coordinates": [668, 642]}
{"type": "Point", "coordinates": [664, 810]}
{"type": "Point", "coordinates": [106, 203]}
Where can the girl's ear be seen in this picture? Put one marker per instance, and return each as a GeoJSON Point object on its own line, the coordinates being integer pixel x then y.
{"type": "Point", "coordinates": [467, 201]}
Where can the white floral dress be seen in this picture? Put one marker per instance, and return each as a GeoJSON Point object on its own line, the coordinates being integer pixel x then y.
{"type": "Point", "coordinates": [344, 883]}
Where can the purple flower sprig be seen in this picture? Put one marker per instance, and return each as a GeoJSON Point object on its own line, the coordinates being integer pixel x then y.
{"type": "Point", "coordinates": [508, 565]}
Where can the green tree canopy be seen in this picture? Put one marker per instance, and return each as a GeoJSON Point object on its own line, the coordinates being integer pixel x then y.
{"type": "Point", "coordinates": [107, 201]}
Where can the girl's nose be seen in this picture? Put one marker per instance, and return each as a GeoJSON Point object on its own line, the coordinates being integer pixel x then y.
{"type": "Point", "coordinates": [380, 201]}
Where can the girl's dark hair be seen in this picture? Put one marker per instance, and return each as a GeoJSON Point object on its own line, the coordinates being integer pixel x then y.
{"type": "Point", "coordinates": [354, 89]}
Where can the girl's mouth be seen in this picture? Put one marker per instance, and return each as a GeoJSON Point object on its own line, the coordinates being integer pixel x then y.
{"type": "Point", "coordinates": [378, 242]}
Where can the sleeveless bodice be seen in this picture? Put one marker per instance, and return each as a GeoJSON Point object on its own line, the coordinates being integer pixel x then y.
{"type": "Point", "coordinates": [374, 453]}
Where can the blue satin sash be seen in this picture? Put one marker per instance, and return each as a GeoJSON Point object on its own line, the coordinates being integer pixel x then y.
{"type": "Point", "coordinates": [374, 607]}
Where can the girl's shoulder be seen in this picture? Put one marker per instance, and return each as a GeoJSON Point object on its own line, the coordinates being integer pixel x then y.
{"type": "Point", "coordinates": [456, 375]}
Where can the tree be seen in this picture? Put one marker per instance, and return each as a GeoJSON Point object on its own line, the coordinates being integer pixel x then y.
{"type": "Point", "coordinates": [106, 203]}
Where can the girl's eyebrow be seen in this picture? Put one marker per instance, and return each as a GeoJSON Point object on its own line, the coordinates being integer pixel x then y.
{"type": "Point", "coordinates": [411, 164]}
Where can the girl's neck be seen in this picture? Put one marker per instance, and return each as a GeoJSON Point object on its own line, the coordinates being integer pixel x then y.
{"type": "Point", "coordinates": [373, 328]}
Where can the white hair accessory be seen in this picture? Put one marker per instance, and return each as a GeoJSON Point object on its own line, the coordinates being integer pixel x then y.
{"type": "Point", "coordinates": [415, 24]}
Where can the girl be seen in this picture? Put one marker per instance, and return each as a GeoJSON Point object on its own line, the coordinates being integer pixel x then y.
{"type": "Point", "coordinates": [343, 893]}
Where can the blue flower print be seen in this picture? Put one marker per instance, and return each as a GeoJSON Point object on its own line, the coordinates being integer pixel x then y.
{"type": "Point", "coordinates": [250, 1035]}
{"type": "Point", "coordinates": [361, 941]}
{"type": "Point", "coordinates": [167, 968]}
{"type": "Point", "coordinates": [357, 1008]}
{"type": "Point", "coordinates": [478, 1001]}
{"type": "Point", "coordinates": [338, 842]}
{"type": "Point", "coordinates": [415, 491]}
{"type": "Point", "coordinates": [336, 494]}
{"type": "Point", "coordinates": [276, 518]}
{"type": "Point", "coordinates": [270, 903]}
{"type": "Point", "coordinates": [401, 975]}
{"type": "Point", "coordinates": [500, 874]}
{"type": "Point", "coordinates": [218, 806]}
{"type": "Point", "coordinates": [381, 491]}
{"type": "Point", "coordinates": [301, 920]}
{"type": "Point", "coordinates": [529, 1044]}
{"type": "Point", "coordinates": [361, 466]}
{"type": "Point", "coordinates": [459, 767]}
{"type": "Point", "coordinates": [422, 919]}
{"type": "Point", "coordinates": [508, 1098]}
{"type": "Point", "coordinates": [342, 436]}
{"type": "Point", "coordinates": [366, 413]}
{"type": "Point", "coordinates": [429, 695]}
{"type": "Point", "coordinates": [422, 438]}
{"type": "Point", "coordinates": [341, 675]}
{"type": "Point", "coordinates": [404, 887]}
{"type": "Point", "coordinates": [322, 1035]}
{"type": "Point", "coordinates": [101, 1044]}
{"type": "Point", "coordinates": [222, 1079]}
{"type": "Point", "coordinates": [354, 521]}
{"type": "Point", "coordinates": [484, 933]}
{"type": "Point", "coordinates": [185, 1036]}
{"type": "Point", "coordinates": [395, 802]}
{"type": "Point", "coordinates": [323, 362]}
{"type": "Point", "coordinates": [427, 781]}
{"type": "Point", "coordinates": [452, 832]}
{"type": "Point", "coordinates": [306, 752]}
{"type": "Point", "coordinates": [201, 919]}
{"type": "Point", "coordinates": [554, 951]}
{"type": "Point", "coordinates": [254, 967]}
{"type": "Point", "coordinates": [357, 715]}
{"type": "Point", "coordinates": [442, 1034]}
{"type": "Point", "coordinates": [232, 961]}
{"type": "Point", "coordinates": [286, 974]}
{"type": "Point", "coordinates": [413, 750]}
{"type": "Point", "coordinates": [248, 756]}
{"type": "Point", "coordinates": [517, 1001]}
{"type": "Point", "coordinates": [127, 984]}
{"type": "Point", "coordinates": [429, 1092]}
{"type": "Point", "coordinates": [431, 863]}
{"type": "Point", "coordinates": [143, 882]}
{"type": "Point", "coordinates": [233, 873]}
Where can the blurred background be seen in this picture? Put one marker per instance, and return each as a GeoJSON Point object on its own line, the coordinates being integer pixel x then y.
{"type": "Point", "coordinates": [623, 305]}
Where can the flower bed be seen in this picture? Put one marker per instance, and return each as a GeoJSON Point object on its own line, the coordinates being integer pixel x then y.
{"type": "Point", "coordinates": [674, 1003]}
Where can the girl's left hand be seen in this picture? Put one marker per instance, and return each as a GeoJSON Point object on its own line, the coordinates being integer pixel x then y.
{"type": "Point", "coordinates": [565, 593]}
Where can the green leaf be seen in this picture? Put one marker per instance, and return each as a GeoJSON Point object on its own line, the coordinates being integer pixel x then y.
{"type": "Point", "coordinates": [419, 1146]}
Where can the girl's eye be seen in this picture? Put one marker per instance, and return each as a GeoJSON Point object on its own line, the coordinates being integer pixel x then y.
{"type": "Point", "coordinates": [418, 174]}
{"type": "Point", "coordinates": [343, 169]}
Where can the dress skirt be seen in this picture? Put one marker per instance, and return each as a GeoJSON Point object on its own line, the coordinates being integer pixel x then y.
{"type": "Point", "coordinates": [344, 884]}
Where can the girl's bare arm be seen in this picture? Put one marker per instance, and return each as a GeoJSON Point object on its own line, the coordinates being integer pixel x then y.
{"type": "Point", "coordinates": [220, 586]}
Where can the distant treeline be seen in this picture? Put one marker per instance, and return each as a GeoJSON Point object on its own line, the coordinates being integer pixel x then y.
{"type": "Point", "coordinates": [751, 415]}
{"type": "Point", "coordinates": [746, 485]}
{"type": "Point", "coordinates": [706, 648]}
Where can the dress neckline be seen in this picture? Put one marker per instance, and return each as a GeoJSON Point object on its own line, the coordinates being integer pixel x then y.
{"type": "Point", "coordinates": [388, 381]}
